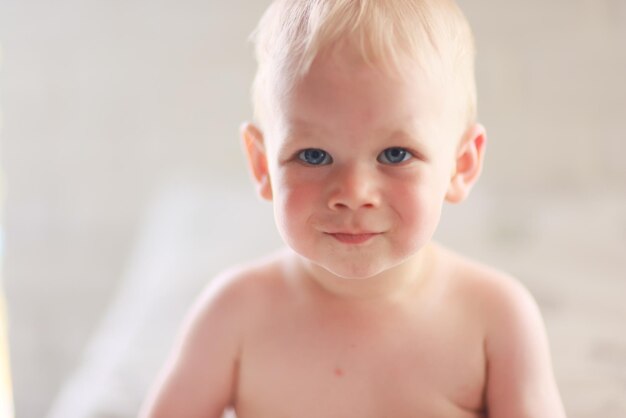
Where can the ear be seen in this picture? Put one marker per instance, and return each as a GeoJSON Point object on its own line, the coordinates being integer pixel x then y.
{"type": "Point", "coordinates": [254, 147]}
{"type": "Point", "coordinates": [469, 163]}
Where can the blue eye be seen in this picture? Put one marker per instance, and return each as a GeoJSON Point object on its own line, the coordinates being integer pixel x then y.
{"type": "Point", "coordinates": [394, 155]}
{"type": "Point", "coordinates": [314, 156]}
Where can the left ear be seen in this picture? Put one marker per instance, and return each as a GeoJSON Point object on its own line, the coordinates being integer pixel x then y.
{"type": "Point", "coordinates": [469, 163]}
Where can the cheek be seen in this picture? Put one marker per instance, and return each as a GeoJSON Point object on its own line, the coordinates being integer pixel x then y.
{"type": "Point", "coordinates": [418, 205]}
{"type": "Point", "coordinates": [294, 201]}
{"type": "Point", "coordinates": [296, 195]}
{"type": "Point", "coordinates": [413, 205]}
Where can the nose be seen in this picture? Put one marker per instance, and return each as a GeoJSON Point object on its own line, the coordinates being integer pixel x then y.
{"type": "Point", "coordinates": [353, 187]}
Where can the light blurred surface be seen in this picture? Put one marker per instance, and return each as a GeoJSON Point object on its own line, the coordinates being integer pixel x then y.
{"type": "Point", "coordinates": [104, 103]}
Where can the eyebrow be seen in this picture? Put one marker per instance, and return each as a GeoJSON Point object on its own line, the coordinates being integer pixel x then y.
{"type": "Point", "coordinates": [414, 136]}
{"type": "Point", "coordinates": [303, 127]}
{"type": "Point", "coordinates": [404, 136]}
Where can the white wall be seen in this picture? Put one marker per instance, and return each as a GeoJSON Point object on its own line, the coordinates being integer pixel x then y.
{"type": "Point", "coordinates": [104, 100]}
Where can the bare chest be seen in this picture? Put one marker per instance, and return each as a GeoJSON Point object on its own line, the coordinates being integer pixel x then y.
{"type": "Point", "coordinates": [352, 365]}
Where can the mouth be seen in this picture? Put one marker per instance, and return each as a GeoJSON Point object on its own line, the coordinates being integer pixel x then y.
{"type": "Point", "coordinates": [349, 238]}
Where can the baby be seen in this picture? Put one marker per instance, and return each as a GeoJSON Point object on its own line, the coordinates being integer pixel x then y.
{"type": "Point", "coordinates": [365, 123]}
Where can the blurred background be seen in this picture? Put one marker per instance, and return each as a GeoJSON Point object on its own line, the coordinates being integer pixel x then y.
{"type": "Point", "coordinates": [125, 189]}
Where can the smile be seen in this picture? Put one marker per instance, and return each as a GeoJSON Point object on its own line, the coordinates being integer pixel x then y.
{"type": "Point", "coordinates": [353, 238]}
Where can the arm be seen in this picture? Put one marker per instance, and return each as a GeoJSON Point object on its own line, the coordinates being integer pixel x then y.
{"type": "Point", "coordinates": [521, 383]}
{"type": "Point", "coordinates": [200, 377]}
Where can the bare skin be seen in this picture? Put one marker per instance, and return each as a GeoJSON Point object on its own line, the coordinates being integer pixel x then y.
{"type": "Point", "coordinates": [272, 342]}
{"type": "Point", "coordinates": [362, 316]}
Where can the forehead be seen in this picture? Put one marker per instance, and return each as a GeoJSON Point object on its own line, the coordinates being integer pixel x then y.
{"type": "Point", "coordinates": [341, 93]}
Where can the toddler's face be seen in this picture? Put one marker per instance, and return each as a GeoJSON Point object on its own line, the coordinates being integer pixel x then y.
{"type": "Point", "coordinates": [359, 165]}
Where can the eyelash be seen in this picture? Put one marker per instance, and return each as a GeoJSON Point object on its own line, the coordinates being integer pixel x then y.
{"type": "Point", "coordinates": [404, 152]}
{"type": "Point", "coordinates": [327, 159]}
{"type": "Point", "coordinates": [301, 155]}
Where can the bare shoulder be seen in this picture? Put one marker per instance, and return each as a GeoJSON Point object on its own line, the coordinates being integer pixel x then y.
{"type": "Point", "coordinates": [520, 376]}
{"type": "Point", "coordinates": [498, 299]}
{"type": "Point", "coordinates": [237, 284]}
{"type": "Point", "coordinates": [207, 353]}
{"type": "Point", "coordinates": [237, 296]}
{"type": "Point", "coordinates": [490, 293]}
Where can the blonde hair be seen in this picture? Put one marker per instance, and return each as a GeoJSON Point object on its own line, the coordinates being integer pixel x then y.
{"type": "Point", "coordinates": [432, 34]}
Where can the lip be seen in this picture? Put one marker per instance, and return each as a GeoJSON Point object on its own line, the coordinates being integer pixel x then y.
{"type": "Point", "coordinates": [352, 238]}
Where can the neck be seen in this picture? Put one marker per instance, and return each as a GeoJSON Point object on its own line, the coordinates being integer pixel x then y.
{"type": "Point", "coordinates": [394, 285]}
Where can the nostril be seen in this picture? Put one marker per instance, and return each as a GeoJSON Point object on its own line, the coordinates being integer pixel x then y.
{"type": "Point", "coordinates": [348, 205]}
{"type": "Point", "coordinates": [339, 205]}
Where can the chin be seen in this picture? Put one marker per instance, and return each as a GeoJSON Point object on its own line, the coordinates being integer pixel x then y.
{"type": "Point", "coordinates": [355, 270]}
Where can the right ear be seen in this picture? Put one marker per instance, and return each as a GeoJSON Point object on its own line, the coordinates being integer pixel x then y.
{"type": "Point", "coordinates": [254, 146]}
